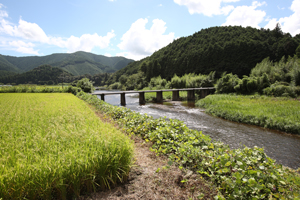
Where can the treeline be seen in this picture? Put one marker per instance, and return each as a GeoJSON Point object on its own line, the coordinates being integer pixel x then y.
{"type": "Point", "coordinates": [270, 78]}
{"type": "Point", "coordinates": [232, 49]}
{"type": "Point", "coordinates": [42, 75]}
{"type": "Point", "coordinates": [138, 81]}
{"type": "Point", "coordinates": [48, 75]}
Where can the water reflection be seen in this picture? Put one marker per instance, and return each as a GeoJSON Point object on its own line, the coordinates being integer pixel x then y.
{"type": "Point", "coordinates": [284, 148]}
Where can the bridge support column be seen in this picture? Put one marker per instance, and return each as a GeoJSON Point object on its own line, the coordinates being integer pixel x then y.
{"type": "Point", "coordinates": [203, 94]}
{"type": "Point", "coordinates": [102, 97]}
{"type": "Point", "coordinates": [191, 95]}
{"type": "Point", "coordinates": [142, 98]}
{"type": "Point", "coordinates": [123, 100]}
{"type": "Point", "coordinates": [159, 97]}
{"type": "Point", "coordinates": [175, 95]}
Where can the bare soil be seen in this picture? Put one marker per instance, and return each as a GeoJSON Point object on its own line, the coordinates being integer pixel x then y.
{"type": "Point", "coordinates": [152, 177]}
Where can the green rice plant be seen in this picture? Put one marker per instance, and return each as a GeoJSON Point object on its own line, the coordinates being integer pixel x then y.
{"type": "Point", "coordinates": [53, 146]}
{"type": "Point", "coordinates": [238, 173]}
{"type": "Point", "coordinates": [269, 112]}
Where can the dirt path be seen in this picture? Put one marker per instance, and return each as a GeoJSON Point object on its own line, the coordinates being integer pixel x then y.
{"type": "Point", "coordinates": [153, 178]}
{"type": "Point", "coordinates": [147, 182]}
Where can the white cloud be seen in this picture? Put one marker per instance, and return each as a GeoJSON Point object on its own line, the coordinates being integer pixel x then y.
{"type": "Point", "coordinates": [23, 47]}
{"type": "Point", "coordinates": [271, 23]}
{"type": "Point", "coordinates": [207, 7]}
{"type": "Point", "coordinates": [289, 24]}
{"type": "Point", "coordinates": [32, 32]}
{"type": "Point", "coordinates": [139, 42]}
{"type": "Point", "coordinates": [3, 13]}
{"type": "Point", "coordinates": [86, 42]}
{"type": "Point", "coordinates": [246, 15]}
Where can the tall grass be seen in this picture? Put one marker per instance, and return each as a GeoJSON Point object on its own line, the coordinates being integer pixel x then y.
{"type": "Point", "coordinates": [53, 146]}
{"type": "Point", "coordinates": [275, 113]}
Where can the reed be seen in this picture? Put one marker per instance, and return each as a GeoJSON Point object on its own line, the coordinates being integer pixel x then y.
{"type": "Point", "coordinates": [53, 146]}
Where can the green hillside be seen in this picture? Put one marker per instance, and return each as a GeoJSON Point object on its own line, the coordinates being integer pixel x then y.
{"type": "Point", "coordinates": [44, 74]}
{"type": "Point", "coordinates": [233, 49]}
{"type": "Point", "coordinates": [78, 63]}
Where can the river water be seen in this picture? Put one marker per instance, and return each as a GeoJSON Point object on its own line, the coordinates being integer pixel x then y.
{"type": "Point", "coordinates": [284, 148]}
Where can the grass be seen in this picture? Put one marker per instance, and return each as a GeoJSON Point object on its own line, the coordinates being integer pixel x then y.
{"type": "Point", "coordinates": [53, 146]}
{"type": "Point", "coordinates": [275, 113]}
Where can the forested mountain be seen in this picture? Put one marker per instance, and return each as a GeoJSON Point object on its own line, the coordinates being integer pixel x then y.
{"type": "Point", "coordinates": [44, 74]}
{"type": "Point", "coordinates": [233, 49]}
{"type": "Point", "coordinates": [78, 63]}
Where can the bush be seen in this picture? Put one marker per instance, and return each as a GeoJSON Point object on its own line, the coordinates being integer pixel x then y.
{"type": "Point", "coordinates": [86, 85]}
{"type": "Point", "coordinates": [278, 90]}
{"type": "Point", "coordinates": [227, 83]}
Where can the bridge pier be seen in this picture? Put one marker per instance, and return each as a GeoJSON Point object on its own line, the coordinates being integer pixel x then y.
{"type": "Point", "coordinates": [102, 97]}
{"type": "Point", "coordinates": [142, 100]}
{"type": "Point", "coordinates": [191, 95]}
{"type": "Point", "coordinates": [175, 95]}
{"type": "Point", "coordinates": [123, 100]}
{"type": "Point", "coordinates": [159, 97]}
{"type": "Point", "coordinates": [203, 94]}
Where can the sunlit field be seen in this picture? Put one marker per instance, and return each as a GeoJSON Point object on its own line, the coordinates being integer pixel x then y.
{"type": "Point", "coordinates": [53, 146]}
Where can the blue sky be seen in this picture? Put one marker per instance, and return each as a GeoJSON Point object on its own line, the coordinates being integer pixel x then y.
{"type": "Point", "coordinates": [130, 28]}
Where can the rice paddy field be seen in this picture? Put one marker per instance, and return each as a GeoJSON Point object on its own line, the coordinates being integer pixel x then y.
{"type": "Point", "coordinates": [278, 113]}
{"type": "Point", "coordinates": [53, 146]}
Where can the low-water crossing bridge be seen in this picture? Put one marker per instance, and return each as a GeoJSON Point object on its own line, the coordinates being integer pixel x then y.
{"type": "Point", "coordinates": [159, 94]}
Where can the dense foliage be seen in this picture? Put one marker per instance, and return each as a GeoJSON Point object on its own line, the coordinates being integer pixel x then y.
{"type": "Point", "coordinates": [42, 75]}
{"type": "Point", "coordinates": [232, 49]}
{"type": "Point", "coordinates": [78, 63]}
{"type": "Point", "coordinates": [239, 173]}
{"type": "Point", "coordinates": [138, 81]}
{"type": "Point", "coordinates": [86, 85]}
{"type": "Point", "coordinates": [267, 77]}
{"type": "Point", "coordinates": [274, 113]}
{"type": "Point", "coordinates": [53, 146]}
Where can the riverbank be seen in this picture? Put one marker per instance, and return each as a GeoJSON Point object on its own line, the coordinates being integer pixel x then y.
{"type": "Point", "coordinates": [237, 173]}
{"type": "Point", "coordinates": [278, 113]}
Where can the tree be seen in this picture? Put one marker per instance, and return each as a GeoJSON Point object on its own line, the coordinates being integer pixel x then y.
{"type": "Point", "coordinates": [86, 85]}
{"type": "Point", "coordinates": [298, 51]}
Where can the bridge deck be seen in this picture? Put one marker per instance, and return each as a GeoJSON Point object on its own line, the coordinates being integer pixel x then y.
{"type": "Point", "coordinates": [159, 94]}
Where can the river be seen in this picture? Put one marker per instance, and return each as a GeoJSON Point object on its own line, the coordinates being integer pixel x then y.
{"type": "Point", "coordinates": [284, 148]}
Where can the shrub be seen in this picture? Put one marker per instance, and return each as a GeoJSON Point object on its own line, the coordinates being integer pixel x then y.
{"type": "Point", "coordinates": [86, 85]}
{"type": "Point", "coordinates": [278, 90]}
{"type": "Point", "coordinates": [227, 83]}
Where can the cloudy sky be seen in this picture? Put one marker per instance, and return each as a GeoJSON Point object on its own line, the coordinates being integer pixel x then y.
{"type": "Point", "coordinates": [130, 28]}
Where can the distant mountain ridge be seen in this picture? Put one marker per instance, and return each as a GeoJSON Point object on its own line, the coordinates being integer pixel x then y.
{"type": "Point", "coordinates": [77, 63]}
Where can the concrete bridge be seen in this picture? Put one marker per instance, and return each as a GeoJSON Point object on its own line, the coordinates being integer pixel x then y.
{"type": "Point", "coordinates": [159, 94]}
